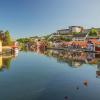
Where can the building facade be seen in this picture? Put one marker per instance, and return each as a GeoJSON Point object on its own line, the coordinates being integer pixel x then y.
{"type": "Point", "coordinates": [63, 31]}
{"type": "Point", "coordinates": [79, 37]}
{"type": "Point", "coordinates": [76, 29]}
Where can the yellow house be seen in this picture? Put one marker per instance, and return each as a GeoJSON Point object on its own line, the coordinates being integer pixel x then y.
{"type": "Point", "coordinates": [0, 46]}
{"type": "Point", "coordinates": [1, 63]}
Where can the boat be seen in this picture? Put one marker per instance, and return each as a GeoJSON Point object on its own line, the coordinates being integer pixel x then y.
{"type": "Point", "coordinates": [97, 48]}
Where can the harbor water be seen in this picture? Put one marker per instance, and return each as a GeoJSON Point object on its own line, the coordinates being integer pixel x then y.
{"type": "Point", "coordinates": [50, 75]}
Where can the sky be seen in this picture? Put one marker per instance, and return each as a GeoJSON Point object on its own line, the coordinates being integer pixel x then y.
{"type": "Point", "coordinates": [26, 18]}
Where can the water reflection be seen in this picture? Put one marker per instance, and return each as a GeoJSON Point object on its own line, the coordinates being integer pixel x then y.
{"type": "Point", "coordinates": [73, 59]}
{"type": "Point", "coordinates": [45, 81]}
{"type": "Point", "coordinates": [98, 70]}
{"type": "Point", "coordinates": [5, 60]}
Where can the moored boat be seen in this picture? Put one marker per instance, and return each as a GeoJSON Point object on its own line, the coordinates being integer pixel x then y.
{"type": "Point", "coordinates": [97, 48]}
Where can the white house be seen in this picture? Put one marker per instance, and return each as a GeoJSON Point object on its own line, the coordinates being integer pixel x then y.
{"type": "Point", "coordinates": [79, 37]}
{"type": "Point", "coordinates": [76, 29]}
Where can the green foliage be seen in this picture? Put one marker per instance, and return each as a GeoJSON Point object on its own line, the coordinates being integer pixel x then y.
{"type": "Point", "coordinates": [67, 39]}
{"type": "Point", "coordinates": [23, 40]}
{"type": "Point", "coordinates": [1, 32]}
{"type": "Point", "coordinates": [76, 32]}
{"type": "Point", "coordinates": [47, 37]}
{"type": "Point", "coordinates": [7, 38]}
{"type": "Point", "coordinates": [52, 39]}
{"type": "Point", "coordinates": [93, 32]}
{"type": "Point", "coordinates": [60, 38]}
{"type": "Point", "coordinates": [7, 63]}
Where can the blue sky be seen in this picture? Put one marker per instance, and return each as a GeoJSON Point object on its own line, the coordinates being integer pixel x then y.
{"type": "Point", "coordinates": [24, 18]}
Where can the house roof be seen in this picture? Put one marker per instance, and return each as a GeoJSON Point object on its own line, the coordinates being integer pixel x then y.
{"type": "Point", "coordinates": [63, 30]}
{"type": "Point", "coordinates": [76, 26]}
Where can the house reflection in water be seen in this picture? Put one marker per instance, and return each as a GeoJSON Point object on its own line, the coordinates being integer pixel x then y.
{"type": "Point", "coordinates": [90, 57]}
{"type": "Point", "coordinates": [5, 61]}
{"type": "Point", "coordinates": [1, 63]}
{"type": "Point", "coordinates": [73, 59]}
{"type": "Point", "coordinates": [76, 64]}
{"type": "Point", "coordinates": [98, 70]}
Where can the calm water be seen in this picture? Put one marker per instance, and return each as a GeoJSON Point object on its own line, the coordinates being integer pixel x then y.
{"type": "Point", "coordinates": [50, 75]}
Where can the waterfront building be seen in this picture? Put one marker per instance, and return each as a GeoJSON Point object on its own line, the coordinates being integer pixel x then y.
{"type": "Point", "coordinates": [79, 37]}
{"type": "Point", "coordinates": [68, 32]}
{"type": "Point", "coordinates": [72, 29]}
{"type": "Point", "coordinates": [57, 44]}
{"type": "Point", "coordinates": [90, 46]}
{"type": "Point", "coordinates": [63, 31]}
{"type": "Point", "coordinates": [75, 29]}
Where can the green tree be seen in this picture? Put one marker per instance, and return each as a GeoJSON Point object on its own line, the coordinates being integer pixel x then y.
{"type": "Point", "coordinates": [23, 40]}
{"type": "Point", "coordinates": [7, 38]}
{"type": "Point", "coordinates": [93, 32]}
{"type": "Point", "coordinates": [1, 33]}
{"type": "Point", "coordinates": [7, 62]}
{"type": "Point", "coordinates": [76, 33]}
{"type": "Point", "coordinates": [47, 37]}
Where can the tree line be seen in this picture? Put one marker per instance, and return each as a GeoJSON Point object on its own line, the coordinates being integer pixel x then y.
{"type": "Point", "coordinates": [5, 38]}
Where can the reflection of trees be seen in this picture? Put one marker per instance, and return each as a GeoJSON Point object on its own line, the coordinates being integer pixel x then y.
{"type": "Point", "coordinates": [24, 49]}
{"type": "Point", "coordinates": [5, 63]}
{"type": "Point", "coordinates": [73, 59]}
{"type": "Point", "coordinates": [70, 62]}
{"type": "Point", "coordinates": [64, 57]}
{"type": "Point", "coordinates": [64, 60]}
{"type": "Point", "coordinates": [98, 70]}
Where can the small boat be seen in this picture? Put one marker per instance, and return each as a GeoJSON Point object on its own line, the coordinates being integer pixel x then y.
{"type": "Point", "coordinates": [97, 55]}
{"type": "Point", "coordinates": [97, 48]}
